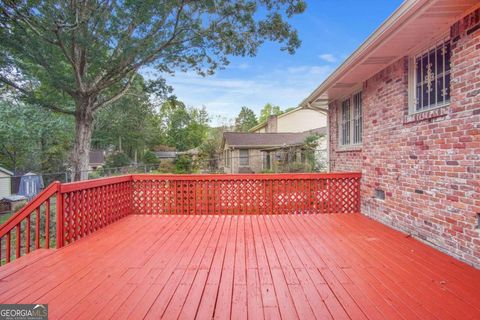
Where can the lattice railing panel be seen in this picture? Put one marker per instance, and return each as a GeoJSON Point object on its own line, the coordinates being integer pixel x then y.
{"type": "Point", "coordinates": [89, 206]}
{"type": "Point", "coordinates": [246, 194]}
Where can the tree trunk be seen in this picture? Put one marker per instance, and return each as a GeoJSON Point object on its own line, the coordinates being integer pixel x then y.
{"type": "Point", "coordinates": [83, 137]}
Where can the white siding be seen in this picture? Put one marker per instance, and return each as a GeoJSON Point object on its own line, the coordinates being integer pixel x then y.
{"type": "Point", "coordinates": [4, 185]}
{"type": "Point", "coordinates": [301, 120]}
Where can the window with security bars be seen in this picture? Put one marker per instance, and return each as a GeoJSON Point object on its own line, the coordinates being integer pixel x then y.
{"type": "Point", "coordinates": [432, 77]}
{"type": "Point", "coordinates": [351, 120]}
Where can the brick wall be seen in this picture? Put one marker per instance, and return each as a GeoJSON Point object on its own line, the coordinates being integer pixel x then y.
{"type": "Point", "coordinates": [430, 169]}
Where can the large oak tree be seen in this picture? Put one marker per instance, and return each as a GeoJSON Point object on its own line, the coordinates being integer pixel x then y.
{"type": "Point", "coordinates": [79, 56]}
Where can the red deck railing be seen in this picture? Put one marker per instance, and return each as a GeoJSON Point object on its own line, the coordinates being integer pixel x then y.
{"type": "Point", "coordinates": [84, 207]}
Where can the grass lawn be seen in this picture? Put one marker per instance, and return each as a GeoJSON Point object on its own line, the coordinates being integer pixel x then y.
{"type": "Point", "coordinates": [4, 217]}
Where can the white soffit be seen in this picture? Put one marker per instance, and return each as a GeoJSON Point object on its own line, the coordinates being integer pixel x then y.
{"type": "Point", "coordinates": [414, 22]}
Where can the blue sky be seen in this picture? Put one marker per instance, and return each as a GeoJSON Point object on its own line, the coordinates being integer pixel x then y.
{"type": "Point", "coordinates": [330, 31]}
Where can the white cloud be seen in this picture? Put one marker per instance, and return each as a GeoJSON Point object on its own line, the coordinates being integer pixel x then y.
{"type": "Point", "coordinates": [224, 95]}
{"type": "Point", "coordinates": [328, 57]}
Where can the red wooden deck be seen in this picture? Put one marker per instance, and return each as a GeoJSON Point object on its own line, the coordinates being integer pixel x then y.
{"type": "Point", "coordinates": [277, 266]}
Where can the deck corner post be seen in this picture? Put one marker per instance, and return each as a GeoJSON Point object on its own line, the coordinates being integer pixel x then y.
{"type": "Point", "coordinates": [59, 222]}
{"type": "Point", "coordinates": [132, 196]}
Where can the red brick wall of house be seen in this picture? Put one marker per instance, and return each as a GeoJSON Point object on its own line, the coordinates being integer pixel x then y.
{"type": "Point", "coordinates": [429, 170]}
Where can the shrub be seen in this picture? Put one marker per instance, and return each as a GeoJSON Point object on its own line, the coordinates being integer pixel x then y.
{"type": "Point", "coordinates": [184, 164]}
{"type": "Point", "coordinates": [149, 158]}
{"type": "Point", "coordinates": [118, 159]}
{"type": "Point", "coordinates": [166, 167]}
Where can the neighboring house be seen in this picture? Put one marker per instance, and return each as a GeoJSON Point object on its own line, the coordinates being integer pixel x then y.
{"type": "Point", "coordinates": [194, 153]}
{"type": "Point", "coordinates": [168, 156]}
{"type": "Point", "coordinates": [245, 152]}
{"type": "Point", "coordinates": [96, 159]}
{"type": "Point", "coordinates": [404, 109]}
{"type": "Point", "coordinates": [5, 182]}
{"type": "Point", "coordinates": [296, 120]}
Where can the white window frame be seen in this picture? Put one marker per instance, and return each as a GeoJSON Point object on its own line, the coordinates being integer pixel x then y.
{"type": "Point", "coordinates": [412, 77]}
{"type": "Point", "coordinates": [352, 118]}
{"type": "Point", "coordinates": [240, 158]}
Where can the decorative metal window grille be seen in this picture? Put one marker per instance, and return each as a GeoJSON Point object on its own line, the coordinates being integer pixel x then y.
{"type": "Point", "coordinates": [346, 122]}
{"type": "Point", "coordinates": [351, 120]}
{"type": "Point", "coordinates": [432, 77]}
{"type": "Point", "coordinates": [244, 157]}
{"type": "Point", "coordinates": [357, 118]}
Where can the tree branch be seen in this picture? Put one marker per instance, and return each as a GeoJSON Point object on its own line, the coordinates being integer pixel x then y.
{"type": "Point", "coordinates": [31, 97]}
{"type": "Point", "coordinates": [106, 80]}
{"type": "Point", "coordinates": [118, 95]}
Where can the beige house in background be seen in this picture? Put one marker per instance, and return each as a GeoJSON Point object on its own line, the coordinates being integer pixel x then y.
{"type": "Point", "coordinates": [246, 152]}
{"type": "Point", "coordinates": [296, 120]}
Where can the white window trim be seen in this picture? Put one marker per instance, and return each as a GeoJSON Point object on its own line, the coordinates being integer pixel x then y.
{"type": "Point", "coordinates": [412, 75]}
{"type": "Point", "coordinates": [351, 145]}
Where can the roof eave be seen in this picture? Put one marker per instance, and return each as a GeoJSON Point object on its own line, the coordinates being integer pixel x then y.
{"type": "Point", "coordinates": [6, 171]}
{"type": "Point", "coordinates": [389, 26]}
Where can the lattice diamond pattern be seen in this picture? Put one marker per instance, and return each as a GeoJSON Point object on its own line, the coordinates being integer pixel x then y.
{"type": "Point", "coordinates": [250, 195]}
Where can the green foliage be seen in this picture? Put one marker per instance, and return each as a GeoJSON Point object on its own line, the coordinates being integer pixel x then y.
{"type": "Point", "coordinates": [166, 167]}
{"type": "Point", "coordinates": [311, 141]}
{"type": "Point", "coordinates": [245, 120]}
{"type": "Point", "coordinates": [79, 57]}
{"type": "Point", "coordinates": [97, 173]}
{"type": "Point", "coordinates": [268, 110]}
{"type": "Point", "coordinates": [132, 121]}
{"type": "Point", "coordinates": [268, 171]}
{"type": "Point", "coordinates": [311, 144]}
{"type": "Point", "coordinates": [149, 158]}
{"type": "Point", "coordinates": [33, 139]}
{"type": "Point", "coordinates": [184, 128]}
{"type": "Point", "coordinates": [184, 164]}
{"type": "Point", "coordinates": [117, 159]}
{"type": "Point", "coordinates": [210, 150]}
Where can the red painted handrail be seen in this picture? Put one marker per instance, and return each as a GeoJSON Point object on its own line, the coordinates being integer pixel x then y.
{"type": "Point", "coordinates": [247, 176]}
{"type": "Point", "coordinates": [86, 206]}
{"type": "Point", "coordinates": [21, 223]}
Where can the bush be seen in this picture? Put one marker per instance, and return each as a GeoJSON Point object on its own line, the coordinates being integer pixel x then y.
{"type": "Point", "coordinates": [184, 164]}
{"type": "Point", "coordinates": [118, 159]}
{"type": "Point", "coordinates": [268, 171]}
{"type": "Point", "coordinates": [166, 167]}
{"type": "Point", "coordinates": [149, 158]}
{"type": "Point", "coordinates": [97, 173]}
{"type": "Point", "coordinates": [297, 167]}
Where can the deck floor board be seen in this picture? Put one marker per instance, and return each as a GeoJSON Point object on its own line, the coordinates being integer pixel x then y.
{"type": "Point", "coordinates": [245, 267]}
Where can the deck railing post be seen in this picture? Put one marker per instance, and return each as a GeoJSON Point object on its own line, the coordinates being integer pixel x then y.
{"type": "Point", "coordinates": [59, 217]}
{"type": "Point", "coordinates": [359, 190]}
